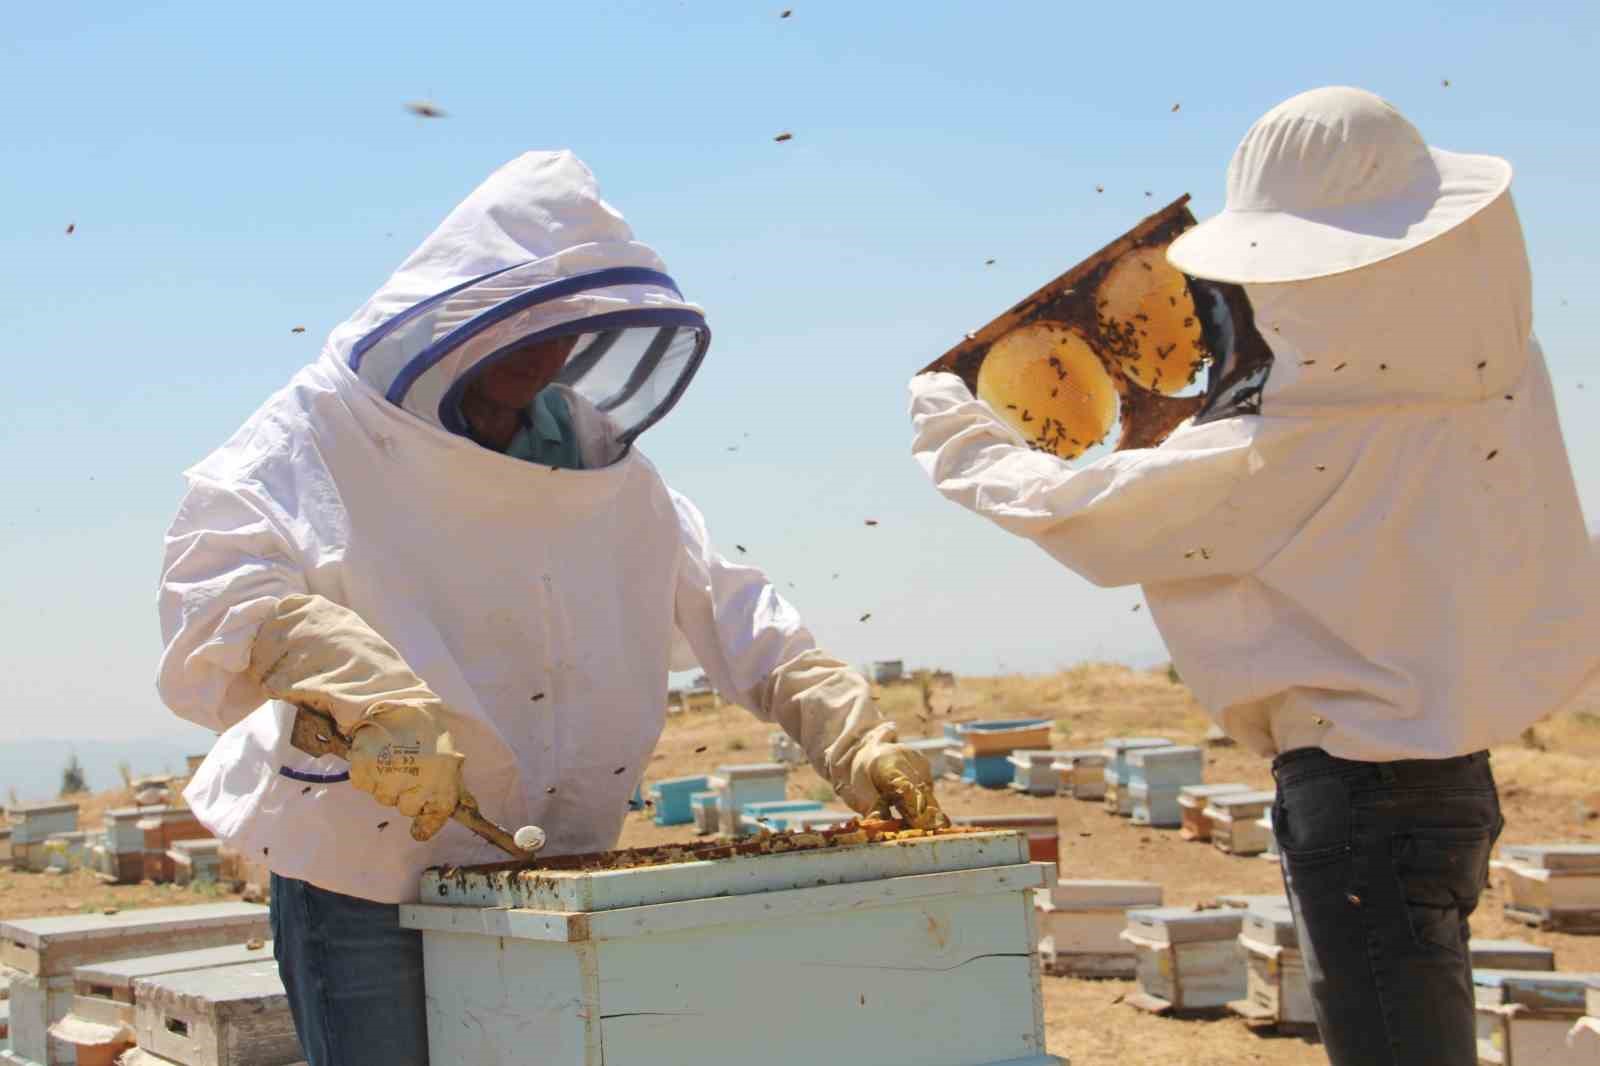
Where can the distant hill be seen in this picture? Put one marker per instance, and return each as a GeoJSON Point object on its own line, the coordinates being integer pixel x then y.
{"type": "Point", "coordinates": [32, 768]}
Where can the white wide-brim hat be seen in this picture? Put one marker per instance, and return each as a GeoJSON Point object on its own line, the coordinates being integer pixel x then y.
{"type": "Point", "coordinates": [1330, 181]}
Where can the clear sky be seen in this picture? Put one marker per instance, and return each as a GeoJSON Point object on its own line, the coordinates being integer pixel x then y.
{"type": "Point", "coordinates": [234, 174]}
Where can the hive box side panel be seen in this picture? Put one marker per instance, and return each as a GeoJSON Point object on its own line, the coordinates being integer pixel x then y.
{"type": "Point", "coordinates": [36, 1004]}
{"type": "Point", "coordinates": [494, 999]}
{"type": "Point", "coordinates": [957, 976]}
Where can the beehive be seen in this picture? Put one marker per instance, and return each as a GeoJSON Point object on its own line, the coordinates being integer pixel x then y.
{"type": "Point", "coordinates": [704, 807]}
{"type": "Point", "coordinates": [1082, 773]}
{"type": "Point", "coordinates": [195, 860]}
{"type": "Point", "coordinates": [759, 816]}
{"type": "Point", "coordinates": [1192, 803]}
{"type": "Point", "coordinates": [243, 874]}
{"type": "Point", "coordinates": [1081, 924]}
{"type": "Point", "coordinates": [1234, 817]}
{"type": "Point", "coordinates": [1524, 1017]}
{"type": "Point", "coordinates": [1033, 772]}
{"type": "Point", "coordinates": [5, 846]}
{"type": "Point", "coordinates": [69, 851]}
{"type": "Point", "coordinates": [671, 798]}
{"type": "Point", "coordinates": [1264, 823]}
{"type": "Point", "coordinates": [1188, 960]}
{"type": "Point", "coordinates": [163, 827]}
{"type": "Point", "coordinates": [1042, 830]}
{"type": "Point", "coordinates": [747, 783]}
{"type": "Point", "coordinates": [1116, 797]}
{"type": "Point", "coordinates": [809, 820]}
{"type": "Point", "coordinates": [1509, 955]}
{"type": "Point", "coordinates": [231, 1016]}
{"type": "Point", "coordinates": [100, 1025]}
{"type": "Point", "coordinates": [1553, 886]}
{"type": "Point", "coordinates": [675, 955]}
{"type": "Point", "coordinates": [40, 954]}
{"type": "Point", "coordinates": [1154, 777]}
{"type": "Point", "coordinates": [1276, 990]}
{"type": "Point", "coordinates": [1248, 902]}
{"type": "Point", "coordinates": [987, 747]}
{"type": "Point", "coordinates": [31, 825]}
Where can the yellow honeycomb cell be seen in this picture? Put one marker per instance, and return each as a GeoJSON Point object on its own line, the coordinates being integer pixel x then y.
{"type": "Point", "coordinates": [1148, 318]}
{"type": "Point", "coordinates": [1048, 384]}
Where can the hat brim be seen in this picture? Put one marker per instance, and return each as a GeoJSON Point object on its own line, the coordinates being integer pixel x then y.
{"type": "Point", "coordinates": [1261, 247]}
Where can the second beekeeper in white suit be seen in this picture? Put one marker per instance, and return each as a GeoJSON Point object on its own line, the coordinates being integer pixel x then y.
{"type": "Point", "coordinates": [442, 534]}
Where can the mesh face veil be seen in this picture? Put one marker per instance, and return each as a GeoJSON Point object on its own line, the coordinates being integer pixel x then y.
{"type": "Point", "coordinates": [636, 345]}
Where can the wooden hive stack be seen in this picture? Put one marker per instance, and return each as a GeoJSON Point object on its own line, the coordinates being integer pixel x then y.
{"type": "Point", "coordinates": [244, 874]}
{"type": "Point", "coordinates": [32, 824]}
{"type": "Point", "coordinates": [1155, 776]}
{"type": "Point", "coordinates": [1188, 960]}
{"type": "Point", "coordinates": [1081, 924]}
{"type": "Point", "coordinates": [1117, 773]}
{"type": "Point", "coordinates": [1553, 886]}
{"type": "Point", "coordinates": [163, 827]}
{"type": "Point", "coordinates": [125, 844]}
{"type": "Point", "coordinates": [1033, 771]}
{"type": "Point", "coordinates": [1276, 991]}
{"type": "Point", "coordinates": [100, 1025]}
{"type": "Point", "coordinates": [1082, 773]}
{"type": "Point", "coordinates": [649, 957]}
{"type": "Point", "coordinates": [1509, 955]}
{"type": "Point", "coordinates": [1524, 1016]}
{"type": "Point", "coordinates": [1193, 801]}
{"type": "Point", "coordinates": [231, 1016]}
{"type": "Point", "coordinates": [1235, 818]}
{"type": "Point", "coordinates": [987, 748]}
{"type": "Point", "coordinates": [39, 955]}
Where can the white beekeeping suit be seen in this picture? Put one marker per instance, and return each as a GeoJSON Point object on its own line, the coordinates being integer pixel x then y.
{"type": "Point", "coordinates": [1388, 560]}
{"type": "Point", "coordinates": [540, 605]}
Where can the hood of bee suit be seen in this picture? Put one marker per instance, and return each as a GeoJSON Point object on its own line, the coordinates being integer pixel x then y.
{"type": "Point", "coordinates": [532, 254]}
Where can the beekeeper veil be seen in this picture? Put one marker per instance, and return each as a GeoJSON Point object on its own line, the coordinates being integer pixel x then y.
{"type": "Point", "coordinates": [532, 255]}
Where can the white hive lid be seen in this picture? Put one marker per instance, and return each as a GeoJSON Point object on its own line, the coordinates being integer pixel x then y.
{"type": "Point", "coordinates": [1237, 803]}
{"type": "Point", "coordinates": [1178, 753]}
{"type": "Point", "coordinates": [745, 771]}
{"type": "Point", "coordinates": [1185, 925]}
{"type": "Point", "coordinates": [123, 973]}
{"type": "Point", "coordinates": [1104, 895]}
{"type": "Point", "coordinates": [1117, 744]}
{"type": "Point", "coordinates": [1533, 988]}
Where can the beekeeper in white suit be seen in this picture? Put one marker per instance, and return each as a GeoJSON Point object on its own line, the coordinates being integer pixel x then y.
{"type": "Point", "coordinates": [442, 534]}
{"type": "Point", "coordinates": [1374, 568]}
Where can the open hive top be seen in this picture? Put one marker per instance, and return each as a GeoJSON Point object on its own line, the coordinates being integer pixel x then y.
{"type": "Point", "coordinates": [857, 851]}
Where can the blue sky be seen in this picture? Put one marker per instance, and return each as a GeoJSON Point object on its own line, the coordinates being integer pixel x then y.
{"type": "Point", "coordinates": [232, 175]}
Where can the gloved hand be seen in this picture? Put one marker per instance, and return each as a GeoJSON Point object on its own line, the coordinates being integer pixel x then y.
{"type": "Point", "coordinates": [317, 653]}
{"type": "Point", "coordinates": [905, 784]}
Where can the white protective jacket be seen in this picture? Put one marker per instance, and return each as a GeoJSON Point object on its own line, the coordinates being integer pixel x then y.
{"type": "Point", "coordinates": [1389, 561]}
{"type": "Point", "coordinates": [544, 606]}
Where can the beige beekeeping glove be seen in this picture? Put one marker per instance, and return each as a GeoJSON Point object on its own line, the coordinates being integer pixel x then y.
{"type": "Point", "coordinates": [317, 653]}
{"type": "Point", "coordinates": [826, 706]}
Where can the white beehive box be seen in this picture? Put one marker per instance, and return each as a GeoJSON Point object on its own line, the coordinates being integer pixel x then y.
{"type": "Point", "coordinates": [1081, 924]}
{"type": "Point", "coordinates": [195, 860]}
{"type": "Point", "coordinates": [5, 846]}
{"type": "Point", "coordinates": [747, 783]}
{"type": "Point", "coordinates": [1509, 955]}
{"type": "Point", "coordinates": [703, 962]}
{"type": "Point", "coordinates": [1524, 1017]}
{"type": "Point", "coordinates": [1117, 772]}
{"type": "Point", "coordinates": [1187, 959]}
{"type": "Point", "coordinates": [1033, 772]}
{"type": "Point", "coordinates": [1553, 886]}
{"type": "Point", "coordinates": [1082, 773]}
{"type": "Point", "coordinates": [1276, 990]}
{"type": "Point", "coordinates": [1234, 821]}
{"type": "Point", "coordinates": [69, 851]}
{"type": "Point", "coordinates": [1193, 801]}
{"type": "Point", "coordinates": [232, 1016]}
{"type": "Point", "coordinates": [34, 823]}
{"type": "Point", "coordinates": [101, 1022]}
{"type": "Point", "coordinates": [39, 956]}
{"type": "Point", "coordinates": [1264, 823]}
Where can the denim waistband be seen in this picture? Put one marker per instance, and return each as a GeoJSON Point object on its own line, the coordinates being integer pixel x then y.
{"type": "Point", "coordinates": [1462, 771]}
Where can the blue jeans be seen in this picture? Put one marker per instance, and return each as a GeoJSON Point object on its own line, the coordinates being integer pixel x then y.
{"type": "Point", "coordinates": [1383, 863]}
{"type": "Point", "coordinates": [354, 977]}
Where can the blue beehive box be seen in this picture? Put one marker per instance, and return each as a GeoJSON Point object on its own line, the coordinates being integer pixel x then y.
{"type": "Point", "coordinates": [671, 797]}
{"type": "Point", "coordinates": [989, 771]}
{"type": "Point", "coordinates": [774, 814]}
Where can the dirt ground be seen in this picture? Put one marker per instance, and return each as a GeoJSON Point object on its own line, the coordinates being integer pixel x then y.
{"type": "Point", "coordinates": [1550, 790]}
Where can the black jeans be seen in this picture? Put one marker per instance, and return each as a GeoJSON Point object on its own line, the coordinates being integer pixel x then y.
{"type": "Point", "coordinates": [1383, 863]}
